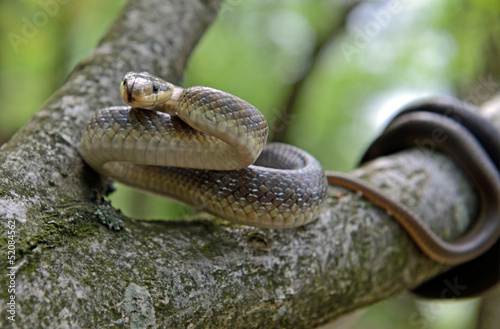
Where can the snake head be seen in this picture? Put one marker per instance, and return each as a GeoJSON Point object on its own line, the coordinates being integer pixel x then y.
{"type": "Point", "coordinates": [145, 90]}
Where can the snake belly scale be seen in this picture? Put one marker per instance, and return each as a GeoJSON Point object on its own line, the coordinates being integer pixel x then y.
{"type": "Point", "coordinates": [208, 152]}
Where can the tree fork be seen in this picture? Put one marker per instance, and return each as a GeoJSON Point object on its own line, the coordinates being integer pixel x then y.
{"type": "Point", "coordinates": [72, 271]}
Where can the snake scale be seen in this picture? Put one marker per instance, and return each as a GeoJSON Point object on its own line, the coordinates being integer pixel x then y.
{"type": "Point", "coordinates": [207, 148]}
{"type": "Point", "coordinates": [202, 154]}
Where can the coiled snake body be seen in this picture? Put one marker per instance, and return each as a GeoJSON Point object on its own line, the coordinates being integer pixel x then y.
{"type": "Point", "coordinates": [203, 153]}
{"type": "Point", "coordinates": [207, 150]}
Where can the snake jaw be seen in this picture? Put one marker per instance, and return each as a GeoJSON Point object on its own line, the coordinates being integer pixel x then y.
{"type": "Point", "coordinates": [143, 90]}
{"type": "Point", "coordinates": [127, 89]}
{"type": "Point", "coordinates": [130, 90]}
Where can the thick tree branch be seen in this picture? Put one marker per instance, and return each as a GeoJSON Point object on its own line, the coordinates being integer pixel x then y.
{"type": "Point", "coordinates": [72, 271]}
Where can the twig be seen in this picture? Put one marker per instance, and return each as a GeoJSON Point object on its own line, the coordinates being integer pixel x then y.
{"type": "Point", "coordinates": [280, 127]}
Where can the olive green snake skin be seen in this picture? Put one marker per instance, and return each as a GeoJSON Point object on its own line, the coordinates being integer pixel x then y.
{"type": "Point", "coordinates": [206, 148]}
{"type": "Point", "coordinates": [202, 154]}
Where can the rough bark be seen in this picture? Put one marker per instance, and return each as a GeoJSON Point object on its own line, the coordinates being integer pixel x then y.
{"type": "Point", "coordinates": [72, 271]}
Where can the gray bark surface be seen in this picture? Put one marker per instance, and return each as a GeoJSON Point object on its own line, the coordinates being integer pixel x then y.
{"type": "Point", "coordinates": [73, 272]}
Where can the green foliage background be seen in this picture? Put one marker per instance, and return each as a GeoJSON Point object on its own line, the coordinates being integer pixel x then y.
{"type": "Point", "coordinates": [389, 52]}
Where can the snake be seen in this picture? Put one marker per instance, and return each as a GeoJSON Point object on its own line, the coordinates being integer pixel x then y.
{"type": "Point", "coordinates": [207, 148]}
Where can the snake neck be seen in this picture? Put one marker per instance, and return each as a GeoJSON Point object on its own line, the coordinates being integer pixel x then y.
{"type": "Point", "coordinates": [170, 106]}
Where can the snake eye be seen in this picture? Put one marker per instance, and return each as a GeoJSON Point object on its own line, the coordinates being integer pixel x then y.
{"type": "Point", "coordinates": [124, 82]}
{"type": "Point", "coordinates": [155, 88]}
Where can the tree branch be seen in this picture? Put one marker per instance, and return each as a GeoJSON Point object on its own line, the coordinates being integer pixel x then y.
{"type": "Point", "coordinates": [72, 271]}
